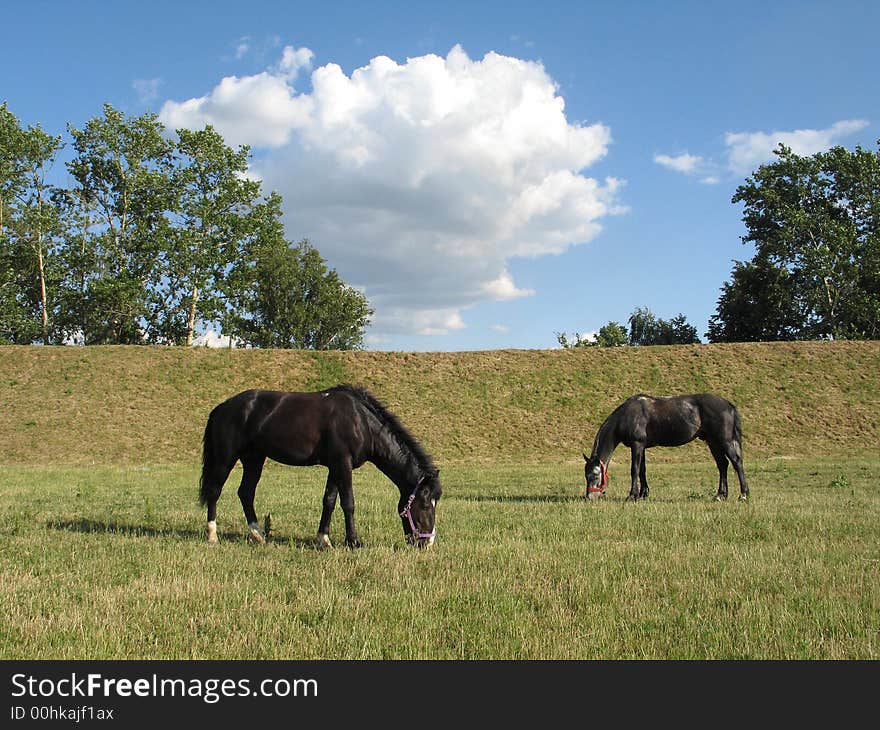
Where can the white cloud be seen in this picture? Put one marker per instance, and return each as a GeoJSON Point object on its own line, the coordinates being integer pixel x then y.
{"type": "Point", "coordinates": [681, 163]}
{"type": "Point", "coordinates": [499, 328]}
{"type": "Point", "coordinates": [748, 150]}
{"type": "Point", "coordinates": [418, 181]}
{"type": "Point", "coordinates": [242, 47]}
{"type": "Point", "coordinates": [293, 60]}
{"type": "Point", "coordinates": [691, 165]}
{"type": "Point", "coordinates": [261, 110]}
{"type": "Point", "coordinates": [503, 288]}
{"type": "Point", "coordinates": [147, 89]}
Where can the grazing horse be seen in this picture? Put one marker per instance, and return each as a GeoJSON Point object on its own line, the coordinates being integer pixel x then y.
{"type": "Point", "coordinates": [643, 421]}
{"type": "Point", "coordinates": [339, 428]}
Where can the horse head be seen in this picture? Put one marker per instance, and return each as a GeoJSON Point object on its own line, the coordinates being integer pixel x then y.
{"type": "Point", "coordinates": [417, 510]}
{"type": "Point", "coordinates": [596, 474]}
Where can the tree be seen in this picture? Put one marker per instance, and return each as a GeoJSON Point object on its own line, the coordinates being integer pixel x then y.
{"type": "Point", "coordinates": [759, 304]}
{"type": "Point", "coordinates": [815, 225]}
{"type": "Point", "coordinates": [647, 329]}
{"type": "Point", "coordinates": [214, 212]}
{"type": "Point", "coordinates": [289, 298]}
{"type": "Point", "coordinates": [122, 168]}
{"type": "Point", "coordinates": [643, 327]}
{"type": "Point", "coordinates": [612, 334]}
{"type": "Point", "coordinates": [30, 229]}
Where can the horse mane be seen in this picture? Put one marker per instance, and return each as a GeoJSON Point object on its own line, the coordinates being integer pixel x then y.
{"type": "Point", "coordinates": [397, 430]}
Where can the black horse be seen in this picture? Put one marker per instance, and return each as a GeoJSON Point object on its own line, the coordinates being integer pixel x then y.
{"type": "Point", "coordinates": [339, 428]}
{"type": "Point", "coordinates": [643, 421]}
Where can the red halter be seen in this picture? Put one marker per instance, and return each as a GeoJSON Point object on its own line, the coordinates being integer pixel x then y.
{"type": "Point", "coordinates": [603, 481]}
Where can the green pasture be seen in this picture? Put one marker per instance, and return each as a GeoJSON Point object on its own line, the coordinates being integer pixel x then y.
{"type": "Point", "coordinates": [108, 561]}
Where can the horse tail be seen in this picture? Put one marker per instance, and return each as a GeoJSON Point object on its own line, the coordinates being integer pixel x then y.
{"type": "Point", "coordinates": [737, 431]}
{"type": "Point", "coordinates": [206, 487]}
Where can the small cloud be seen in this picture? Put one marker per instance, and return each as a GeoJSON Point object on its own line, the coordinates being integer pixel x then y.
{"type": "Point", "coordinates": [516, 38]}
{"type": "Point", "coordinates": [710, 180]}
{"type": "Point", "coordinates": [242, 46]}
{"type": "Point", "coordinates": [503, 288]}
{"type": "Point", "coordinates": [499, 328]}
{"type": "Point", "coordinates": [293, 60]}
{"type": "Point", "coordinates": [147, 90]}
{"type": "Point", "coordinates": [748, 150]}
{"type": "Point", "coordinates": [684, 163]}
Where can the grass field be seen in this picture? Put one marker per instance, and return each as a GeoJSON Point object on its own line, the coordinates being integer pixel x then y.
{"type": "Point", "coordinates": [108, 562]}
{"type": "Point", "coordinates": [102, 551]}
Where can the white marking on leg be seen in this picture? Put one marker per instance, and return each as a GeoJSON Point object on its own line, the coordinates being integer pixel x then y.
{"type": "Point", "coordinates": [323, 540]}
{"type": "Point", "coordinates": [212, 531]}
{"type": "Point", "coordinates": [256, 534]}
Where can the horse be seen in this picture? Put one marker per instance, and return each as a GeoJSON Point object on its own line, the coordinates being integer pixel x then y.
{"type": "Point", "coordinates": [340, 428]}
{"type": "Point", "coordinates": [643, 421]}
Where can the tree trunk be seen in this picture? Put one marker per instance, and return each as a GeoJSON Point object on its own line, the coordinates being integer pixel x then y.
{"type": "Point", "coordinates": [191, 321]}
{"type": "Point", "coordinates": [44, 314]}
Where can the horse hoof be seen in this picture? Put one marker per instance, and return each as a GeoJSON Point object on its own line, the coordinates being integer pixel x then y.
{"type": "Point", "coordinates": [322, 541]}
{"type": "Point", "coordinates": [744, 498]}
{"type": "Point", "coordinates": [211, 533]}
{"type": "Point", "coordinates": [353, 544]}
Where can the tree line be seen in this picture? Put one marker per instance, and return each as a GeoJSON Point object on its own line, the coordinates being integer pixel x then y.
{"type": "Point", "coordinates": [814, 223]}
{"type": "Point", "coordinates": [155, 237]}
{"type": "Point", "coordinates": [158, 236]}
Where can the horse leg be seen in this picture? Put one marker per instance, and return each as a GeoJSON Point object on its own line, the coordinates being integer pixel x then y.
{"type": "Point", "coordinates": [330, 492]}
{"type": "Point", "coordinates": [734, 453]}
{"type": "Point", "coordinates": [638, 454]}
{"type": "Point", "coordinates": [214, 476]}
{"type": "Point", "coordinates": [721, 463]}
{"type": "Point", "coordinates": [253, 469]}
{"type": "Point", "coordinates": [643, 479]}
{"type": "Point", "coordinates": [346, 500]}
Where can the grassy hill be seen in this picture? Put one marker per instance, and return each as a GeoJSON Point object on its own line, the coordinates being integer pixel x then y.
{"type": "Point", "coordinates": [103, 554]}
{"type": "Point", "coordinates": [148, 405]}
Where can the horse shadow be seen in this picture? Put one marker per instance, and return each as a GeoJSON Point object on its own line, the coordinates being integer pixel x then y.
{"type": "Point", "coordinates": [106, 527]}
{"type": "Point", "coordinates": [114, 527]}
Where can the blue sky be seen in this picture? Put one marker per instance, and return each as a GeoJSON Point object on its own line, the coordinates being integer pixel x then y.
{"type": "Point", "coordinates": [488, 172]}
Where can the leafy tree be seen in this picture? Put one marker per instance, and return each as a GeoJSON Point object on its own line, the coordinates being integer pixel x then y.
{"type": "Point", "coordinates": [11, 172]}
{"type": "Point", "coordinates": [680, 332]}
{"type": "Point", "coordinates": [214, 212]}
{"type": "Point", "coordinates": [643, 327]}
{"type": "Point", "coordinates": [818, 220]}
{"type": "Point", "coordinates": [647, 329]}
{"type": "Point", "coordinates": [30, 229]}
{"type": "Point", "coordinates": [759, 304]}
{"type": "Point", "coordinates": [290, 299]}
{"type": "Point", "coordinates": [612, 334]}
{"type": "Point", "coordinates": [15, 323]}
{"type": "Point", "coordinates": [122, 169]}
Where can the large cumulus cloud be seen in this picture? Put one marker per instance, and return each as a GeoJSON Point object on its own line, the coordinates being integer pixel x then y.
{"type": "Point", "coordinates": [418, 181]}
